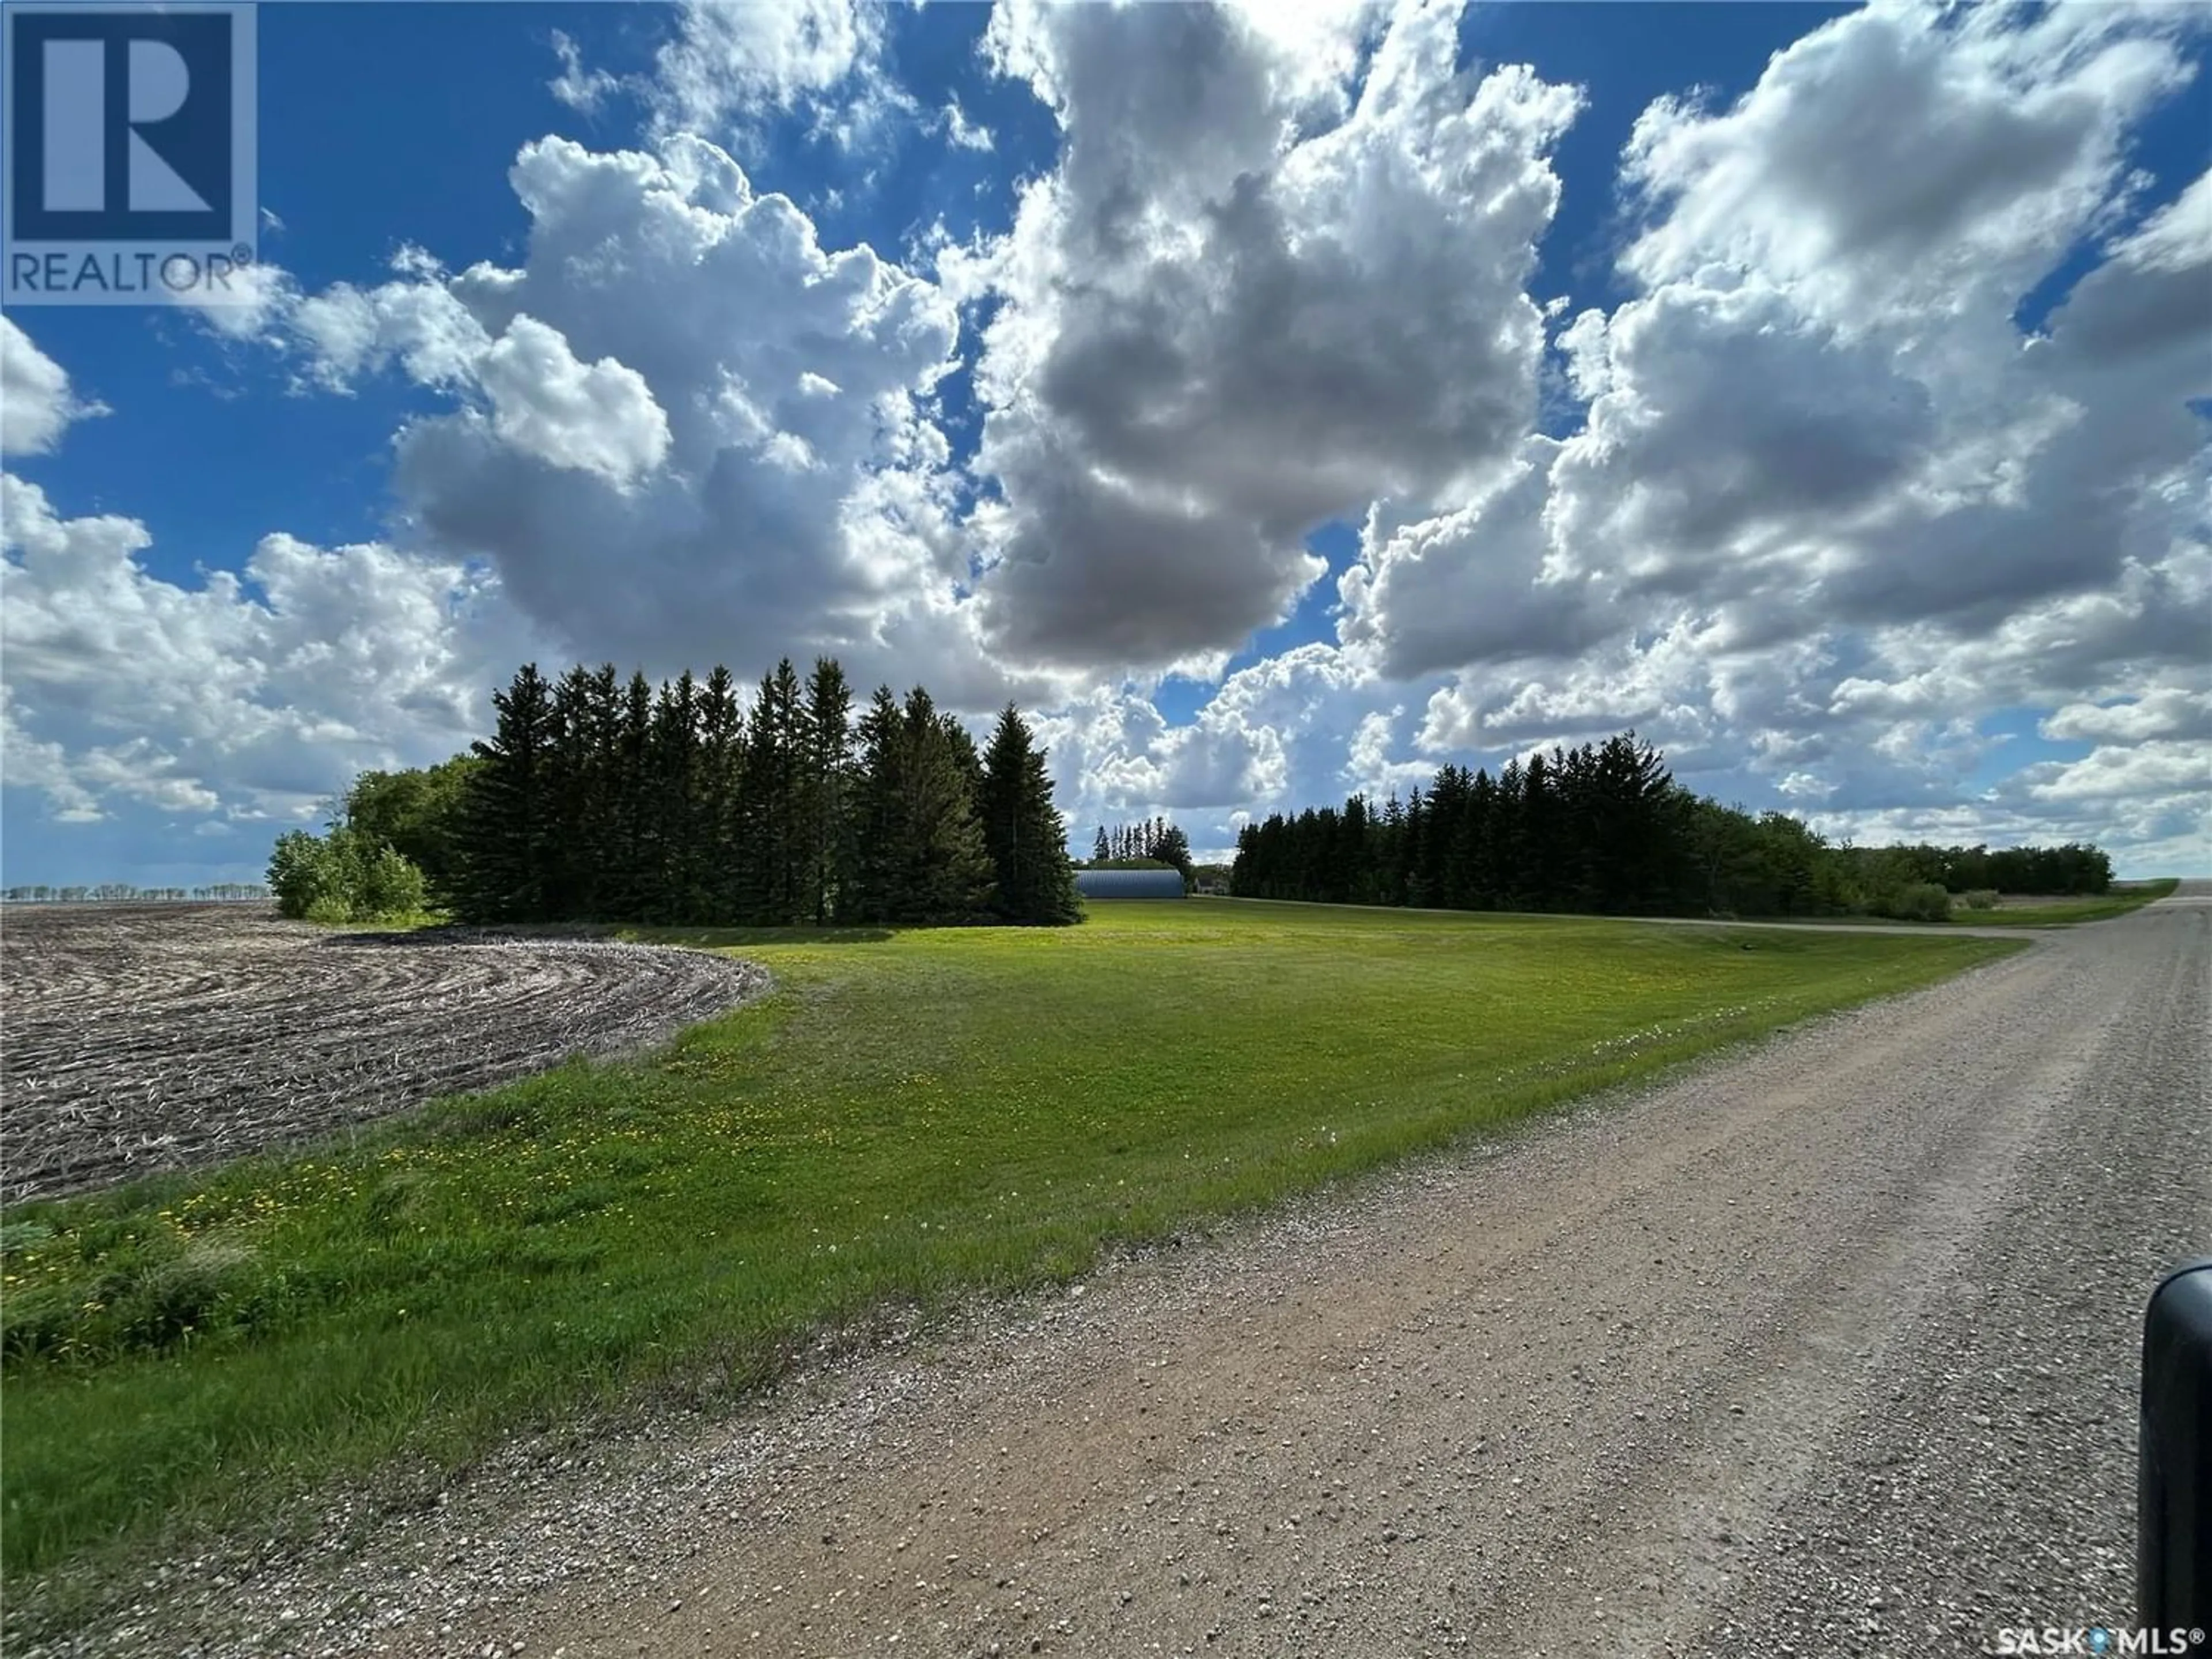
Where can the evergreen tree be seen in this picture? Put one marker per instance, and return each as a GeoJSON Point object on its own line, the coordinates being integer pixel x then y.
{"type": "Point", "coordinates": [1474, 835]}
{"type": "Point", "coordinates": [1578, 882]}
{"type": "Point", "coordinates": [775, 851]}
{"type": "Point", "coordinates": [1023, 831]}
{"type": "Point", "coordinates": [1634, 836]}
{"type": "Point", "coordinates": [1448, 871]}
{"type": "Point", "coordinates": [826, 788]}
{"type": "Point", "coordinates": [1502, 839]}
{"type": "Point", "coordinates": [1390, 854]}
{"type": "Point", "coordinates": [603, 803]}
{"type": "Point", "coordinates": [1412, 851]}
{"type": "Point", "coordinates": [721, 775]}
{"type": "Point", "coordinates": [965, 756]}
{"type": "Point", "coordinates": [1171, 845]}
{"type": "Point", "coordinates": [873, 815]}
{"type": "Point", "coordinates": [506, 830]}
{"type": "Point", "coordinates": [626, 880]}
{"type": "Point", "coordinates": [569, 869]}
{"type": "Point", "coordinates": [1244, 868]}
{"type": "Point", "coordinates": [1535, 873]}
{"type": "Point", "coordinates": [1348, 853]}
{"type": "Point", "coordinates": [940, 870]}
{"type": "Point", "coordinates": [792, 903]}
{"type": "Point", "coordinates": [679, 866]}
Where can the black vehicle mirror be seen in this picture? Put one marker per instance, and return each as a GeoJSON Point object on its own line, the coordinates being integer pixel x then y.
{"type": "Point", "coordinates": [2173, 1490]}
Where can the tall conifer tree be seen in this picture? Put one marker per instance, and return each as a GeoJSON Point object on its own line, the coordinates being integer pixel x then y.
{"type": "Point", "coordinates": [873, 813]}
{"type": "Point", "coordinates": [940, 869]}
{"type": "Point", "coordinates": [508, 830]}
{"type": "Point", "coordinates": [569, 879]}
{"type": "Point", "coordinates": [827, 788]}
{"type": "Point", "coordinates": [774, 849]}
{"type": "Point", "coordinates": [721, 763]}
{"type": "Point", "coordinates": [1023, 831]}
{"type": "Point", "coordinates": [675, 799]}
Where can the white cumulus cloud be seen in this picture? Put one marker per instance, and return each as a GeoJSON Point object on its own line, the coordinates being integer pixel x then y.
{"type": "Point", "coordinates": [36, 405]}
{"type": "Point", "coordinates": [1245, 303]}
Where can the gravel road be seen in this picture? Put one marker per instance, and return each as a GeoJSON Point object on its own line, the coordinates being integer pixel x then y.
{"type": "Point", "coordinates": [1828, 1347]}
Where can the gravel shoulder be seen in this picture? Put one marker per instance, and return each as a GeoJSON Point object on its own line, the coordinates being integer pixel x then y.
{"type": "Point", "coordinates": [1827, 1346]}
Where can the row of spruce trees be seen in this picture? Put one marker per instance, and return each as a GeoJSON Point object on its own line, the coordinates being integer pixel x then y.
{"type": "Point", "coordinates": [1604, 828]}
{"type": "Point", "coordinates": [1576, 830]}
{"type": "Point", "coordinates": [1148, 841]}
{"type": "Point", "coordinates": [599, 799]}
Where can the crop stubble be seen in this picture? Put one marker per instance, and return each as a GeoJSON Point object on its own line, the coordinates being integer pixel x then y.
{"type": "Point", "coordinates": [140, 1038]}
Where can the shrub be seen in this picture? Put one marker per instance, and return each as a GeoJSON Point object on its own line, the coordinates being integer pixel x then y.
{"type": "Point", "coordinates": [301, 870]}
{"type": "Point", "coordinates": [343, 877]}
{"type": "Point", "coordinates": [1923, 900]}
{"type": "Point", "coordinates": [392, 886]}
{"type": "Point", "coordinates": [1981, 898]}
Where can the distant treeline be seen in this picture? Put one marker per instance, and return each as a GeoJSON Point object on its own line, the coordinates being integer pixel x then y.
{"type": "Point", "coordinates": [601, 799]}
{"type": "Point", "coordinates": [1145, 842]}
{"type": "Point", "coordinates": [1604, 829]}
{"type": "Point", "coordinates": [40, 893]}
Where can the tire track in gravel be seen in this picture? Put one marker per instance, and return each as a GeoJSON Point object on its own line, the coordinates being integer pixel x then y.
{"type": "Point", "coordinates": [1988, 1482]}
{"type": "Point", "coordinates": [148, 1037]}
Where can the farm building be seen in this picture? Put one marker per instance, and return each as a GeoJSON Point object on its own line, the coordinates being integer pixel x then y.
{"type": "Point", "coordinates": [1129, 884]}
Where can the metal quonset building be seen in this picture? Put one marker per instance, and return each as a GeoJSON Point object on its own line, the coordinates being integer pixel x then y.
{"type": "Point", "coordinates": [1129, 884]}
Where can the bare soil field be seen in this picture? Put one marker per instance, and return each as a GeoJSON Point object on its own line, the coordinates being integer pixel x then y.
{"type": "Point", "coordinates": [139, 1038]}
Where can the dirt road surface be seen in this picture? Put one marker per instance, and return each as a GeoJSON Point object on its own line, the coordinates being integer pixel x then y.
{"type": "Point", "coordinates": [1829, 1347]}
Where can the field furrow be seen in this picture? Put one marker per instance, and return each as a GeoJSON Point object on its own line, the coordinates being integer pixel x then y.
{"type": "Point", "coordinates": [224, 1031]}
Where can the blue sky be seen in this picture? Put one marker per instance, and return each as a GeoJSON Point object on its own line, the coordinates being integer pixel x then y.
{"type": "Point", "coordinates": [1277, 403]}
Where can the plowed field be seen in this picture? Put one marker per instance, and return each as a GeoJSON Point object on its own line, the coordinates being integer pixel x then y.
{"type": "Point", "coordinates": [136, 1038]}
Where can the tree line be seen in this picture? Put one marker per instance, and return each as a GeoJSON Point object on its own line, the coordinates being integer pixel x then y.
{"type": "Point", "coordinates": [1147, 841]}
{"type": "Point", "coordinates": [46, 893]}
{"type": "Point", "coordinates": [1604, 829]}
{"type": "Point", "coordinates": [600, 799]}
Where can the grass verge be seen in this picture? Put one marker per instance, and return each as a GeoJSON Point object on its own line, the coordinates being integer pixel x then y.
{"type": "Point", "coordinates": [910, 1117]}
{"type": "Point", "coordinates": [2064, 912]}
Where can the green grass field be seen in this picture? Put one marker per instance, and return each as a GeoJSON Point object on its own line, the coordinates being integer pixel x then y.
{"type": "Point", "coordinates": [2064, 912]}
{"type": "Point", "coordinates": [909, 1119]}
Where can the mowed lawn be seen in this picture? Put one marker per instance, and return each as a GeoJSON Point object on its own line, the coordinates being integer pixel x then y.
{"type": "Point", "coordinates": [910, 1118]}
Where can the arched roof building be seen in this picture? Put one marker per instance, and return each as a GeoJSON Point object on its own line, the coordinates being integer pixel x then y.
{"type": "Point", "coordinates": [1129, 884]}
